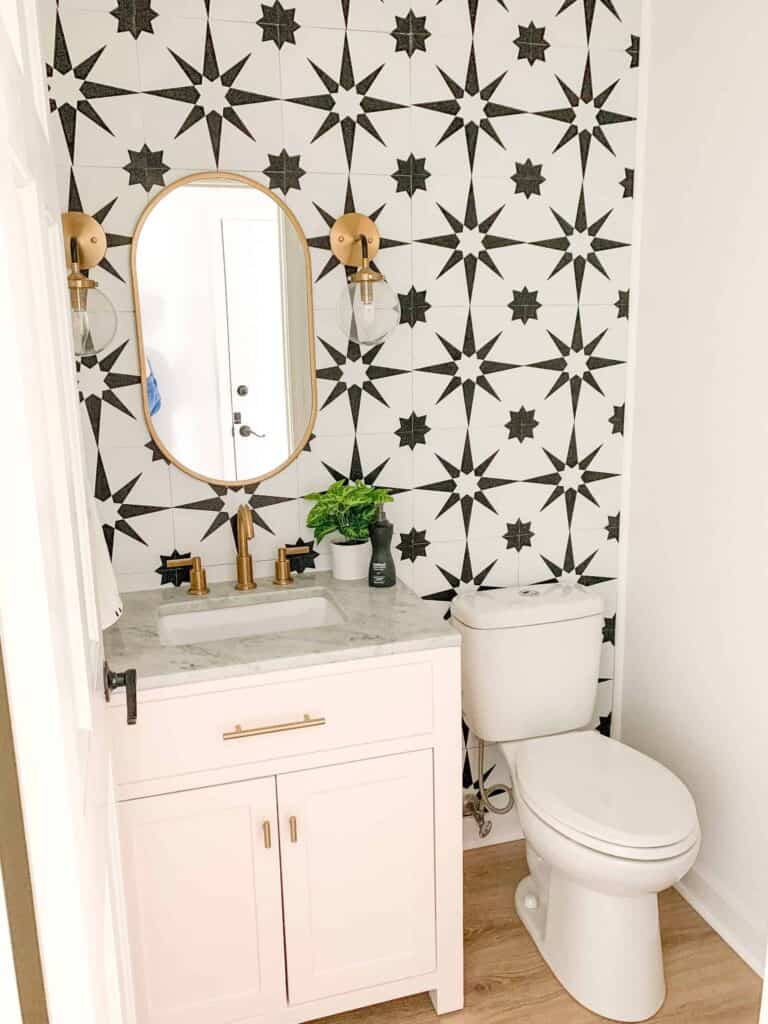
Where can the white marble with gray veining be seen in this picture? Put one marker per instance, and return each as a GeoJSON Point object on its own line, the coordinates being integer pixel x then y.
{"type": "Point", "coordinates": [376, 623]}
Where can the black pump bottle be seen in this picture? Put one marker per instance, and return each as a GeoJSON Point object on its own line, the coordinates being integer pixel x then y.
{"type": "Point", "coordinates": [382, 569]}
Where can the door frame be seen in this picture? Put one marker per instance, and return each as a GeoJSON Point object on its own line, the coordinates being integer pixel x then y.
{"type": "Point", "coordinates": [49, 629]}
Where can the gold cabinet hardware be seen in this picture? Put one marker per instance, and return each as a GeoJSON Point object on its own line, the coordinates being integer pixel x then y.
{"type": "Point", "coordinates": [283, 567]}
{"type": "Point", "coordinates": [294, 829]}
{"type": "Point", "coordinates": [267, 829]}
{"type": "Point", "coordinates": [198, 581]}
{"type": "Point", "coordinates": [239, 733]}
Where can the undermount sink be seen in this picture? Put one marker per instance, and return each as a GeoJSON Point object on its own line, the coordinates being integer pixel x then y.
{"type": "Point", "coordinates": [228, 621]}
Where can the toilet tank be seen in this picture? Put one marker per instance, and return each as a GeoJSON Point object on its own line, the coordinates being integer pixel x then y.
{"type": "Point", "coordinates": [530, 658]}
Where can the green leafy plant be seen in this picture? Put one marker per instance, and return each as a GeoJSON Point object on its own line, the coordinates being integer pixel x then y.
{"type": "Point", "coordinates": [348, 509]}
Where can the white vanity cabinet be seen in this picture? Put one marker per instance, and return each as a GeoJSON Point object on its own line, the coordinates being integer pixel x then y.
{"type": "Point", "coordinates": [281, 874]}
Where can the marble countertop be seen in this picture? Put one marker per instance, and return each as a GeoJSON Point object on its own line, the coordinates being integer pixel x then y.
{"type": "Point", "coordinates": [375, 623]}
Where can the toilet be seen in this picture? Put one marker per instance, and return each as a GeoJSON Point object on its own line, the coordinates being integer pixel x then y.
{"type": "Point", "coordinates": [606, 827]}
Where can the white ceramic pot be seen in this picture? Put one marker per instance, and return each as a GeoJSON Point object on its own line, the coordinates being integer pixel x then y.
{"type": "Point", "coordinates": [350, 560]}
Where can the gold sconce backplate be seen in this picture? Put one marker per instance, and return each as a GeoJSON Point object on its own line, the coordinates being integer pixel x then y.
{"type": "Point", "coordinates": [90, 237]}
{"type": "Point", "coordinates": [345, 239]}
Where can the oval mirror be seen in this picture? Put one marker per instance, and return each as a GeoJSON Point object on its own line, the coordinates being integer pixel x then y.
{"type": "Point", "coordinates": [223, 297]}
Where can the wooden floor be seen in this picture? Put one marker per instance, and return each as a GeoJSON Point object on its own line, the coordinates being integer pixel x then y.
{"type": "Point", "coordinates": [507, 982]}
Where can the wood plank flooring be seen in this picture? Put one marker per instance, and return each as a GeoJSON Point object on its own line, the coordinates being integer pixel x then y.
{"type": "Point", "coordinates": [507, 982]}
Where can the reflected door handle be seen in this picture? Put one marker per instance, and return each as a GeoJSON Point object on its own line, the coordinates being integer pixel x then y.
{"type": "Point", "coordinates": [245, 431]}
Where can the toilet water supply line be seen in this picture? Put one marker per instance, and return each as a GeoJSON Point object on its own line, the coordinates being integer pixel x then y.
{"type": "Point", "coordinates": [480, 804]}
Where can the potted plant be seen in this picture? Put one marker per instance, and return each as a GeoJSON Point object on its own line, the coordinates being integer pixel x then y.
{"type": "Point", "coordinates": [347, 509]}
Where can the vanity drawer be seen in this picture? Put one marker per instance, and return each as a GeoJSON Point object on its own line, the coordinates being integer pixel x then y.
{"type": "Point", "coordinates": [246, 725]}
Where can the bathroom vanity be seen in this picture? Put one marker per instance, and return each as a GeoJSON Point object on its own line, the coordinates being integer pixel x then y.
{"type": "Point", "coordinates": [289, 801]}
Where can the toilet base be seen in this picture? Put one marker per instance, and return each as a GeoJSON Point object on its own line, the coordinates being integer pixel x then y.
{"type": "Point", "coordinates": [604, 949]}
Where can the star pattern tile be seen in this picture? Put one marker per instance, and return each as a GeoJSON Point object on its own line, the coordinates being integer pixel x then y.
{"type": "Point", "coordinates": [412, 431]}
{"type": "Point", "coordinates": [174, 576]}
{"type": "Point", "coordinates": [344, 93]}
{"type": "Point", "coordinates": [531, 44]}
{"type": "Point", "coordinates": [212, 95]}
{"type": "Point", "coordinates": [470, 241]}
{"type": "Point", "coordinates": [571, 478]}
{"type": "Point", "coordinates": [519, 535]}
{"type": "Point", "coordinates": [355, 373]}
{"type": "Point", "coordinates": [146, 168]}
{"type": "Point", "coordinates": [413, 545]}
{"type": "Point", "coordinates": [466, 484]}
{"type": "Point", "coordinates": [586, 117]}
{"type": "Point", "coordinates": [473, 6]}
{"type": "Point", "coordinates": [571, 571]}
{"type": "Point", "coordinates": [284, 172]}
{"type": "Point", "coordinates": [580, 243]}
{"type": "Point", "coordinates": [411, 175]}
{"type": "Point", "coordinates": [528, 178]}
{"type": "Point", "coordinates": [590, 7]}
{"type": "Point", "coordinates": [522, 424]}
{"type": "Point", "coordinates": [414, 307]}
{"type": "Point", "coordinates": [525, 305]}
{"type": "Point", "coordinates": [410, 34]}
{"type": "Point", "coordinates": [323, 242]}
{"type": "Point", "coordinates": [468, 368]}
{"type": "Point", "coordinates": [506, 368]}
{"type": "Point", "coordinates": [576, 363]}
{"type": "Point", "coordinates": [102, 216]}
{"type": "Point", "coordinates": [223, 502]}
{"type": "Point", "coordinates": [134, 16]}
{"type": "Point", "coordinates": [99, 382]}
{"type": "Point", "coordinates": [278, 24]}
{"type": "Point", "coordinates": [467, 580]}
{"type": "Point", "coordinates": [115, 509]}
{"type": "Point", "coordinates": [72, 90]}
{"type": "Point", "coordinates": [470, 108]}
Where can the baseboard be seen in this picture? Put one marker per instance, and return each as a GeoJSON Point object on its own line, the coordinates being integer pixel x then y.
{"type": "Point", "coordinates": [506, 829]}
{"type": "Point", "coordinates": [730, 924]}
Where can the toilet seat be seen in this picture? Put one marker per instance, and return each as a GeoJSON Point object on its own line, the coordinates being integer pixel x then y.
{"type": "Point", "coordinates": [605, 796]}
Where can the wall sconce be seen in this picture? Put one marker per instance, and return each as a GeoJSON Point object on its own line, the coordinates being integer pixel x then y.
{"type": "Point", "coordinates": [94, 320]}
{"type": "Point", "coordinates": [368, 310]}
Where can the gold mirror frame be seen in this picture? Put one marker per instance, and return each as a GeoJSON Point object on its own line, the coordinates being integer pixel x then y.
{"type": "Point", "coordinates": [241, 180]}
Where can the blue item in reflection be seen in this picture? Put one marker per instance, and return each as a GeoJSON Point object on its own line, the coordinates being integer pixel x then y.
{"type": "Point", "coordinates": [153, 391]}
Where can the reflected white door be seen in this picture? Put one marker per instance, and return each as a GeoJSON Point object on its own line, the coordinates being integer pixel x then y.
{"type": "Point", "coordinates": [51, 642]}
{"type": "Point", "coordinates": [357, 848]}
{"type": "Point", "coordinates": [202, 872]}
{"type": "Point", "coordinates": [255, 332]}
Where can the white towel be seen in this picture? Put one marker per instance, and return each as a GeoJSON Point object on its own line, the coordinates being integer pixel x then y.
{"type": "Point", "coordinates": [108, 602]}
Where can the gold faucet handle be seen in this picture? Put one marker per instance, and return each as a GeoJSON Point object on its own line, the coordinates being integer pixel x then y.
{"type": "Point", "coordinates": [283, 575]}
{"type": "Point", "coordinates": [198, 580]}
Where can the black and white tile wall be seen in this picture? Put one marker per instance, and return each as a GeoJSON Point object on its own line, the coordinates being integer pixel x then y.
{"type": "Point", "coordinates": [493, 142]}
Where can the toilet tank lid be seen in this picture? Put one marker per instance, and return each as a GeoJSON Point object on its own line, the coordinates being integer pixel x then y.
{"type": "Point", "coordinates": [526, 606]}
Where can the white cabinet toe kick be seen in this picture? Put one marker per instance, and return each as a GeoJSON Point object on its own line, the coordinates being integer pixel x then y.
{"type": "Point", "coordinates": [292, 841]}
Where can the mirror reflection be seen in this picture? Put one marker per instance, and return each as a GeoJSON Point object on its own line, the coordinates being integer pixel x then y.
{"type": "Point", "coordinates": [223, 304]}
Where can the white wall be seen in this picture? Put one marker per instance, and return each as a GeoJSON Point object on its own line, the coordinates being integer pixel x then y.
{"type": "Point", "coordinates": [695, 681]}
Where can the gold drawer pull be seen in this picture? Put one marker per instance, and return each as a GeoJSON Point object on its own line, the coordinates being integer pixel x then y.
{"type": "Point", "coordinates": [267, 835]}
{"type": "Point", "coordinates": [239, 733]}
{"type": "Point", "coordinates": [294, 829]}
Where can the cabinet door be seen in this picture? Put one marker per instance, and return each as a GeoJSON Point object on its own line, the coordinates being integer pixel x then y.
{"type": "Point", "coordinates": [204, 905]}
{"type": "Point", "coordinates": [357, 848]}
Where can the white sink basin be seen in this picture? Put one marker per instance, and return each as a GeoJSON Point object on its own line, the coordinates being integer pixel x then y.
{"type": "Point", "coordinates": [226, 622]}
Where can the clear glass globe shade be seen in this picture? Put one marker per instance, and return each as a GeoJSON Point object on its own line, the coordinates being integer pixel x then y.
{"type": "Point", "coordinates": [94, 321]}
{"type": "Point", "coordinates": [368, 322]}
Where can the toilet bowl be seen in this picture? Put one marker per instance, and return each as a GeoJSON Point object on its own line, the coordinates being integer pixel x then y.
{"type": "Point", "coordinates": [606, 830]}
{"type": "Point", "coordinates": [606, 827]}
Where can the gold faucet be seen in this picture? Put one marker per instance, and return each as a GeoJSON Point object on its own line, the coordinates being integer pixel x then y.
{"type": "Point", "coordinates": [283, 566]}
{"type": "Point", "coordinates": [198, 581]}
{"type": "Point", "coordinates": [244, 560]}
